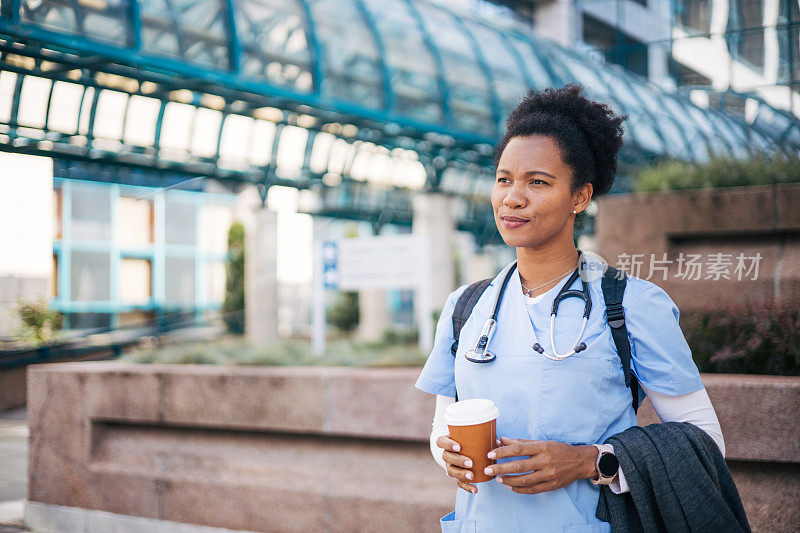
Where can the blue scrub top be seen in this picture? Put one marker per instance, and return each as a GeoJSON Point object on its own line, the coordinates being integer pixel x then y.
{"type": "Point", "coordinates": [580, 400]}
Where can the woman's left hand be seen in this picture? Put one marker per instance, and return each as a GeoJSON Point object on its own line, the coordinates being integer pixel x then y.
{"type": "Point", "coordinates": [553, 464]}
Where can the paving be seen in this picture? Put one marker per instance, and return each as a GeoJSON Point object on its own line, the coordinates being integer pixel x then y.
{"type": "Point", "coordinates": [13, 469]}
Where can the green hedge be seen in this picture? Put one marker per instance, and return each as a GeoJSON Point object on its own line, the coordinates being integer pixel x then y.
{"type": "Point", "coordinates": [757, 340]}
{"type": "Point", "coordinates": [718, 172]}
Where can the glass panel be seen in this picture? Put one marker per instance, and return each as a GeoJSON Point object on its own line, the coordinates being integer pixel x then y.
{"type": "Point", "coordinates": [291, 148]}
{"type": "Point", "coordinates": [135, 281]}
{"type": "Point", "coordinates": [414, 73]}
{"type": "Point", "coordinates": [91, 213]}
{"type": "Point", "coordinates": [536, 68]}
{"type": "Point", "coordinates": [33, 101]}
{"type": "Point", "coordinates": [507, 80]}
{"type": "Point", "coordinates": [181, 223]}
{"type": "Point", "coordinates": [135, 224]}
{"type": "Point", "coordinates": [261, 144]}
{"type": "Point", "coordinates": [90, 276]}
{"type": "Point", "coordinates": [110, 115]}
{"type": "Point", "coordinates": [140, 120]}
{"type": "Point", "coordinates": [352, 62]}
{"type": "Point", "coordinates": [105, 20]}
{"type": "Point", "coordinates": [64, 106]}
{"type": "Point", "coordinates": [195, 30]}
{"type": "Point", "coordinates": [176, 128]}
{"type": "Point", "coordinates": [7, 82]}
{"type": "Point", "coordinates": [179, 276]}
{"type": "Point", "coordinates": [235, 141]}
{"type": "Point", "coordinates": [274, 44]}
{"type": "Point", "coordinates": [693, 15]}
{"type": "Point", "coordinates": [206, 132]}
{"type": "Point", "coordinates": [470, 101]}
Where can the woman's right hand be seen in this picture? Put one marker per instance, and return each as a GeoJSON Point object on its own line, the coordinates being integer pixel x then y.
{"type": "Point", "coordinates": [458, 466]}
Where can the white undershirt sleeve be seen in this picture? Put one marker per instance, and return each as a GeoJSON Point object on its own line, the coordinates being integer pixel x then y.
{"type": "Point", "coordinates": [439, 427]}
{"type": "Point", "coordinates": [694, 408]}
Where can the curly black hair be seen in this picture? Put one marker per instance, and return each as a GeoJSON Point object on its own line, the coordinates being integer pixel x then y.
{"type": "Point", "coordinates": [588, 133]}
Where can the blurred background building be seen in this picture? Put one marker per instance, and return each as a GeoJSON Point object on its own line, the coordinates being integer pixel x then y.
{"type": "Point", "coordinates": [715, 51]}
{"type": "Point", "coordinates": [137, 130]}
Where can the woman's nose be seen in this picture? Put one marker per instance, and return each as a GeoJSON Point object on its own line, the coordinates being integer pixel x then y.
{"type": "Point", "coordinates": [514, 198]}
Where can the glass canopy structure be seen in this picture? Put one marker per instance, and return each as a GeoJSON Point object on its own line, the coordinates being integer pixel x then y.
{"type": "Point", "coordinates": [362, 100]}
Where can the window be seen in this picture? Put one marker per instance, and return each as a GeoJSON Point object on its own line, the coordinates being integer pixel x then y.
{"type": "Point", "coordinates": [179, 283]}
{"type": "Point", "coordinates": [693, 15]}
{"type": "Point", "coordinates": [616, 46]}
{"type": "Point", "coordinates": [135, 223]}
{"type": "Point", "coordinates": [788, 31]}
{"type": "Point", "coordinates": [181, 221]}
{"type": "Point", "coordinates": [54, 278]}
{"type": "Point", "coordinates": [90, 276]}
{"type": "Point", "coordinates": [684, 75]}
{"type": "Point", "coordinates": [91, 213]}
{"type": "Point", "coordinates": [57, 212]}
{"type": "Point", "coordinates": [135, 281]}
{"type": "Point", "coordinates": [745, 33]}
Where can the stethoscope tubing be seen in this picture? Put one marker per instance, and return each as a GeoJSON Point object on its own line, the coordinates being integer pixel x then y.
{"type": "Point", "coordinates": [481, 355]}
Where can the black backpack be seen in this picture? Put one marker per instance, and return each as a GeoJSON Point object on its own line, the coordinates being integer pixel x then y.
{"type": "Point", "coordinates": [613, 285]}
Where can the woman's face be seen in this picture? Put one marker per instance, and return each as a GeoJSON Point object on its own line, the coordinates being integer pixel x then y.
{"type": "Point", "coordinates": [532, 198]}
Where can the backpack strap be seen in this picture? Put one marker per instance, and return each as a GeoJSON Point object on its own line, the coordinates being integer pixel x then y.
{"type": "Point", "coordinates": [464, 305]}
{"type": "Point", "coordinates": [613, 284]}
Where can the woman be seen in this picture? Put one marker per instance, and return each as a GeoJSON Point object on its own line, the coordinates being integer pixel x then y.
{"type": "Point", "coordinates": [558, 153]}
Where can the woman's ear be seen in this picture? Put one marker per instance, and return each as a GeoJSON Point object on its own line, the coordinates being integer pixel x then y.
{"type": "Point", "coordinates": [582, 197]}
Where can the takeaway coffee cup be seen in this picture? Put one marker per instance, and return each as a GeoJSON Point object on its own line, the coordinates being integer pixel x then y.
{"type": "Point", "coordinates": [473, 424]}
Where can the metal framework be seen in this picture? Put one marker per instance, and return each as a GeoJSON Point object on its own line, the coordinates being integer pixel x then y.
{"type": "Point", "coordinates": [302, 92]}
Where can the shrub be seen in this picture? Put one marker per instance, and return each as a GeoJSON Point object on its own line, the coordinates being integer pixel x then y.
{"type": "Point", "coordinates": [38, 323]}
{"type": "Point", "coordinates": [233, 305]}
{"type": "Point", "coordinates": [718, 172]}
{"type": "Point", "coordinates": [343, 314]}
{"type": "Point", "coordinates": [758, 340]}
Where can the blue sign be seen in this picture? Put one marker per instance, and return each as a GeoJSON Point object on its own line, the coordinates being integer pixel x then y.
{"type": "Point", "coordinates": [330, 265]}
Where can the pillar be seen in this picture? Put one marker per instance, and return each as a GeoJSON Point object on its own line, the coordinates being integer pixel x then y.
{"type": "Point", "coordinates": [261, 277]}
{"type": "Point", "coordinates": [434, 217]}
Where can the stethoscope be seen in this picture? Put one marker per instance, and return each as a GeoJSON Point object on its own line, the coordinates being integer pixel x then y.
{"type": "Point", "coordinates": [481, 355]}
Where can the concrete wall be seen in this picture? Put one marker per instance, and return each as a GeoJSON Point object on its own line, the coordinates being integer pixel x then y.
{"type": "Point", "coordinates": [302, 449]}
{"type": "Point", "coordinates": [738, 220]}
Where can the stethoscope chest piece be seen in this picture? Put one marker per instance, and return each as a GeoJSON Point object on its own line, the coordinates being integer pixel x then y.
{"type": "Point", "coordinates": [480, 356]}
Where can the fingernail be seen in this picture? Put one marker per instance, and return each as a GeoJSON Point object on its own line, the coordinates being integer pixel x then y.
{"type": "Point", "coordinates": [469, 475]}
{"type": "Point", "coordinates": [456, 447]}
{"type": "Point", "coordinates": [468, 463]}
{"type": "Point", "coordinates": [499, 479]}
{"type": "Point", "coordinates": [488, 471]}
{"type": "Point", "coordinates": [490, 455]}
{"type": "Point", "coordinates": [474, 491]}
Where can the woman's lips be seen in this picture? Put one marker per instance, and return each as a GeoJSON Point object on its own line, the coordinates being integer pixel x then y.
{"type": "Point", "coordinates": [513, 222]}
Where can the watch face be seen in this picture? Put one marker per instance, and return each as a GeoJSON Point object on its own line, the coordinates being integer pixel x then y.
{"type": "Point", "coordinates": [608, 465]}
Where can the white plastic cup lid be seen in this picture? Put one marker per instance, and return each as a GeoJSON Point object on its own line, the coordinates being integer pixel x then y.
{"type": "Point", "coordinates": [470, 412]}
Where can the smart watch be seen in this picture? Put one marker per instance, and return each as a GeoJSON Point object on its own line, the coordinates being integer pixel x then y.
{"type": "Point", "coordinates": [607, 464]}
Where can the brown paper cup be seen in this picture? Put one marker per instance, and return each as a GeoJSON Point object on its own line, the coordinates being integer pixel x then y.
{"type": "Point", "coordinates": [473, 424]}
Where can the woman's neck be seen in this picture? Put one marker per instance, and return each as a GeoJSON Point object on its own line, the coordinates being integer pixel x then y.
{"type": "Point", "coordinates": [541, 270]}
